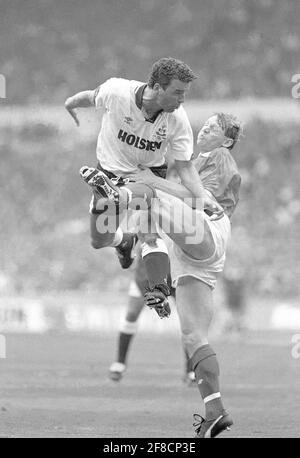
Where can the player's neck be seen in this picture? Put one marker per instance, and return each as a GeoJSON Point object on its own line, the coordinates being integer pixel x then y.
{"type": "Point", "coordinates": [149, 104]}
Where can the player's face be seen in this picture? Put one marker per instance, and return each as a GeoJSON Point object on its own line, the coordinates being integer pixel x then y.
{"type": "Point", "coordinates": [211, 135]}
{"type": "Point", "coordinates": [172, 97]}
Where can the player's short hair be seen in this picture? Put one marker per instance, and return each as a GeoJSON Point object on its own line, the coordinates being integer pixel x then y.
{"type": "Point", "coordinates": [166, 69]}
{"type": "Point", "coordinates": [231, 126]}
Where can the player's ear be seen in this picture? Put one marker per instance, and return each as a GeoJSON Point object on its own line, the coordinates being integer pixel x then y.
{"type": "Point", "coordinates": [227, 142]}
{"type": "Point", "coordinates": [157, 88]}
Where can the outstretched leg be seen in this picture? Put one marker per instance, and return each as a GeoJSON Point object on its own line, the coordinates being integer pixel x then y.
{"type": "Point", "coordinates": [109, 207]}
{"type": "Point", "coordinates": [187, 227]}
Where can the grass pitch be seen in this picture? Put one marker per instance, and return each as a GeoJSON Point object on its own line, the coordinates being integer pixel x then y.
{"type": "Point", "coordinates": [56, 385]}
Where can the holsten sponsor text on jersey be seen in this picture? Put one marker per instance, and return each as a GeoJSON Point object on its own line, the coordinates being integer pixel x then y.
{"type": "Point", "coordinates": [138, 142]}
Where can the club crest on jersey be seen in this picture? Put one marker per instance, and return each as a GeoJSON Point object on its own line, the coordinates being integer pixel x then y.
{"type": "Point", "coordinates": [161, 132]}
{"type": "Point", "coordinates": [128, 120]}
{"type": "Point", "coordinates": [138, 142]}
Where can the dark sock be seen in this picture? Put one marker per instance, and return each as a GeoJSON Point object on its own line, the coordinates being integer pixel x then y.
{"type": "Point", "coordinates": [206, 367]}
{"type": "Point", "coordinates": [123, 347]}
{"type": "Point", "coordinates": [157, 268]}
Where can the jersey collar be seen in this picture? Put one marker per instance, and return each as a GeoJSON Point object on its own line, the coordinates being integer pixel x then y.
{"type": "Point", "coordinates": [139, 102]}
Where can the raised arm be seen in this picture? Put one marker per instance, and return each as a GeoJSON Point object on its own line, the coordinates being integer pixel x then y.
{"type": "Point", "coordinates": [82, 99]}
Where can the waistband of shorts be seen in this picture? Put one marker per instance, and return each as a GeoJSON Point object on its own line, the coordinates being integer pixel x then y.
{"type": "Point", "coordinates": [160, 171]}
{"type": "Point", "coordinates": [210, 283]}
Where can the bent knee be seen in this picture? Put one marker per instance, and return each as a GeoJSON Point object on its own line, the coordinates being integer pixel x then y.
{"type": "Point", "coordinates": [97, 244]}
{"type": "Point", "coordinates": [134, 308]}
{"type": "Point", "coordinates": [193, 340]}
{"type": "Point", "coordinates": [133, 315]}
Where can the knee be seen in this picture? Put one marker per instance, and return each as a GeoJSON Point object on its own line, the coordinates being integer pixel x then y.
{"type": "Point", "coordinates": [142, 195]}
{"type": "Point", "coordinates": [192, 340]}
{"type": "Point", "coordinates": [99, 240]}
{"type": "Point", "coordinates": [135, 306]}
{"type": "Point", "coordinates": [97, 244]}
{"type": "Point", "coordinates": [132, 315]}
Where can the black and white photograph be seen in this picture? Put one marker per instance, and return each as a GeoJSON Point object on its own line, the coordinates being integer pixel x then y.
{"type": "Point", "coordinates": [150, 221]}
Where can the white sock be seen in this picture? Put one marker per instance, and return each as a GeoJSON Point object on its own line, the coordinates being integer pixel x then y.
{"type": "Point", "coordinates": [118, 237]}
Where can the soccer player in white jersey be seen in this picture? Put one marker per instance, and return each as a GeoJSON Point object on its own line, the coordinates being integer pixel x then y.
{"type": "Point", "coordinates": [140, 120]}
{"type": "Point", "coordinates": [197, 254]}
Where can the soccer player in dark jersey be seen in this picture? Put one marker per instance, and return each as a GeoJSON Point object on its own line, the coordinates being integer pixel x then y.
{"type": "Point", "coordinates": [197, 246]}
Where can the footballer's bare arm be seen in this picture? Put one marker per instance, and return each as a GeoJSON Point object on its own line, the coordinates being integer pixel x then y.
{"type": "Point", "coordinates": [180, 191]}
{"type": "Point", "coordinates": [191, 180]}
{"type": "Point", "coordinates": [189, 177]}
{"type": "Point", "coordinates": [82, 99]}
{"type": "Point", "coordinates": [175, 189]}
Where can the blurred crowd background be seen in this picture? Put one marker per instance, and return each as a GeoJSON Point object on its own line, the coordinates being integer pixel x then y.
{"type": "Point", "coordinates": [50, 49]}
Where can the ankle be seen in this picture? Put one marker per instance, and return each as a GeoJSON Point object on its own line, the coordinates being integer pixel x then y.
{"type": "Point", "coordinates": [213, 409]}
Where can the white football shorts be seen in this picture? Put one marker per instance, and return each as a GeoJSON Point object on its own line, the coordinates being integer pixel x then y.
{"type": "Point", "coordinates": [206, 270]}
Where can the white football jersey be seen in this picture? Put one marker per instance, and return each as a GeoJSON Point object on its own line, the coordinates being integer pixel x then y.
{"type": "Point", "coordinates": [126, 140]}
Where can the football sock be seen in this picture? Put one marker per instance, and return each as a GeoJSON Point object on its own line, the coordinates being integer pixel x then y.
{"type": "Point", "coordinates": [156, 261]}
{"type": "Point", "coordinates": [127, 331]}
{"type": "Point", "coordinates": [118, 238]}
{"type": "Point", "coordinates": [123, 347]}
{"type": "Point", "coordinates": [206, 368]}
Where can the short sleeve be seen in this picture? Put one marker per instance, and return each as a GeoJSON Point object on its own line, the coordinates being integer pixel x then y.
{"type": "Point", "coordinates": [222, 179]}
{"type": "Point", "coordinates": [106, 92]}
{"type": "Point", "coordinates": [219, 174]}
